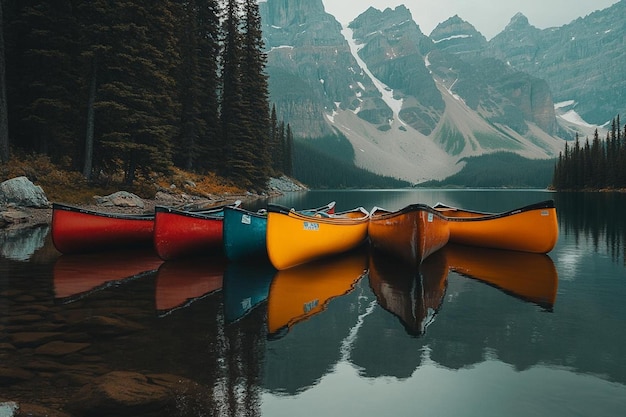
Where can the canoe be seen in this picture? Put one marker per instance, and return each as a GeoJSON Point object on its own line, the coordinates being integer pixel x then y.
{"type": "Point", "coordinates": [182, 233]}
{"type": "Point", "coordinates": [77, 230]}
{"type": "Point", "coordinates": [414, 295]}
{"type": "Point", "coordinates": [78, 275]}
{"type": "Point", "coordinates": [245, 231]}
{"type": "Point", "coordinates": [412, 233]}
{"type": "Point", "coordinates": [180, 283]}
{"type": "Point", "coordinates": [531, 277]}
{"type": "Point", "coordinates": [296, 294]}
{"type": "Point", "coordinates": [294, 238]}
{"type": "Point", "coordinates": [533, 228]}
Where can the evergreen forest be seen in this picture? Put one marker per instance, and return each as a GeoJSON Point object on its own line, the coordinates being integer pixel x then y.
{"type": "Point", "coordinates": [600, 164]}
{"type": "Point", "coordinates": [136, 87]}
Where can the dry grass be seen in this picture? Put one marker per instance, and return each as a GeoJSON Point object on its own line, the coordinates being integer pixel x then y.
{"type": "Point", "coordinates": [71, 187]}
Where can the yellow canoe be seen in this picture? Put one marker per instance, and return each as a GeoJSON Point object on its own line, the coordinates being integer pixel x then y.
{"type": "Point", "coordinates": [412, 233]}
{"type": "Point", "coordinates": [532, 228]}
{"type": "Point", "coordinates": [528, 276]}
{"type": "Point", "coordinates": [298, 293]}
{"type": "Point", "coordinates": [412, 294]}
{"type": "Point", "coordinates": [294, 238]}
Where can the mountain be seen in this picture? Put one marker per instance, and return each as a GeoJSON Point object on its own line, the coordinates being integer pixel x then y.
{"type": "Point", "coordinates": [411, 106]}
{"type": "Point", "coordinates": [583, 61]}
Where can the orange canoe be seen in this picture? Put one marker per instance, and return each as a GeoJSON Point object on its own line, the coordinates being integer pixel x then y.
{"type": "Point", "coordinates": [412, 294]}
{"type": "Point", "coordinates": [293, 238]}
{"type": "Point", "coordinates": [298, 293]}
{"type": "Point", "coordinates": [528, 276]}
{"type": "Point", "coordinates": [532, 228]}
{"type": "Point", "coordinates": [412, 233]}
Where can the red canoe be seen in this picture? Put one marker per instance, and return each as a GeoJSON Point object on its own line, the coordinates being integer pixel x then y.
{"type": "Point", "coordinates": [180, 233]}
{"type": "Point", "coordinates": [76, 230]}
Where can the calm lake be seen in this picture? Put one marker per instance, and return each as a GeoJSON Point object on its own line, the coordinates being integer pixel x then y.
{"type": "Point", "coordinates": [356, 335]}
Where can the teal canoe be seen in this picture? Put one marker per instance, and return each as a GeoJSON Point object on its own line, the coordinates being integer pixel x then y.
{"type": "Point", "coordinates": [244, 231]}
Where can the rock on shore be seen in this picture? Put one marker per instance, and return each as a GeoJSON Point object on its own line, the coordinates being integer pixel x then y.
{"type": "Point", "coordinates": [24, 204]}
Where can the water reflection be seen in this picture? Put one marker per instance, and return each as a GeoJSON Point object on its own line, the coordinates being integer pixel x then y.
{"type": "Point", "coordinates": [529, 276]}
{"type": "Point", "coordinates": [311, 311]}
{"type": "Point", "coordinates": [181, 282]}
{"type": "Point", "coordinates": [246, 286]}
{"type": "Point", "coordinates": [413, 294]}
{"type": "Point", "coordinates": [21, 244]}
{"type": "Point", "coordinates": [298, 293]}
{"type": "Point", "coordinates": [597, 218]}
{"type": "Point", "coordinates": [77, 275]}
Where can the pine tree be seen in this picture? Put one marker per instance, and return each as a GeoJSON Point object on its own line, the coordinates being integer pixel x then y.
{"type": "Point", "coordinates": [238, 161]}
{"type": "Point", "coordinates": [210, 144]}
{"type": "Point", "coordinates": [44, 78]}
{"type": "Point", "coordinates": [197, 79]}
{"type": "Point", "coordinates": [4, 122]}
{"type": "Point", "coordinates": [135, 107]}
{"type": "Point", "coordinates": [288, 164]}
{"type": "Point", "coordinates": [255, 94]}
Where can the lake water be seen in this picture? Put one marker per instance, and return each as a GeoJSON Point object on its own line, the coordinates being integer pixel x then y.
{"type": "Point", "coordinates": [357, 335]}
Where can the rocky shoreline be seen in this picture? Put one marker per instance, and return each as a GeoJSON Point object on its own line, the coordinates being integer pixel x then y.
{"type": "Point", "coordinates": [25, 204]}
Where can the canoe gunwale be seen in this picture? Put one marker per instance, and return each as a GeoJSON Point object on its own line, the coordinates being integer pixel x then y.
{"type": "Point", "coordinates": [385, 214]}
{"type": "Point", "coordinates": [333, 219]}
{"type": "Point", "coordinates": [119, 216]}
{"type": "Point", "coordinates": [547, 204]}
{"type": "Point", "coordinates": [210, 213]}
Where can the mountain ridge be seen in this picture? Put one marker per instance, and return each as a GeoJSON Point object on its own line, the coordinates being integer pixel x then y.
{"type": "Point", "coordinates": [412, 106]}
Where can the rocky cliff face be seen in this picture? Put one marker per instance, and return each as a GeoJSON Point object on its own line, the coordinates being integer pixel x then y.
{"type": "Point", "coordinates": [414, 106]}
{"type": "Point", "coordinates": [582, 61]}
{"type": "Point", "coordinates": [494, 89]}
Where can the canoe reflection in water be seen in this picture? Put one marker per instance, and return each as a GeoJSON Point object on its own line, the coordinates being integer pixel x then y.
{"type": "Point", "coordinates": [78, 275]}
{"type": "Point", "coordinates": [413, 294]}
{"type": "Point", "coordinates": [529, 276]}
{"type": "Point", "coordinates": [298, 293]}
{"type": "Point", "coordinates": [246, 286]}
{"type": "Point", "coordinates": [181, 282]}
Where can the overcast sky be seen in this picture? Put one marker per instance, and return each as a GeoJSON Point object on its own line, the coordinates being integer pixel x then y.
{"type": "Point", "coordinates": [489, 17]}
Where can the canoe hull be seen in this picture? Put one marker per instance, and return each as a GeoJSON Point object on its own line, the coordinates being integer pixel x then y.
{"type": "Point", "coordinates": [179, 234]}
{"type": "Point", "coordinates": [245, 231]}
{"type": "Point", "coordinates": [244, 234]}
{"type": "Point", "coordinates": [76, 230]}
{"type": "Point", "coordinates": [294, 238]}
{"type": "Point", "coordinates": [532, 228]}
{"type": "Point", "coordinates": [412, 233]}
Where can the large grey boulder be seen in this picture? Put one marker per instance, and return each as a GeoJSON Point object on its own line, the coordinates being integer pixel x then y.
{"type": "Point", "coordinates": [120, 199]}
{"type": "Point", "coordinates": [22, 192]}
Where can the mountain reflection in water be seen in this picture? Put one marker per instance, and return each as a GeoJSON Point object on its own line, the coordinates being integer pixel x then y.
{"type": "Point", "coordinates": [469, 320]}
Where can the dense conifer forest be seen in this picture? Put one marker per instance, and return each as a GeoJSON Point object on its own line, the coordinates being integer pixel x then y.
{"type": "Point", "coordinates": [140, 87]}
{"type": "Point", "coordinates": [600, 164]}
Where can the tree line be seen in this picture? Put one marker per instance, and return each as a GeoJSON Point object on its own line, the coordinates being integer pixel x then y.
{"type": "Point", "coordinates": [596, 165]}
{"type": "Point", "coordinates": [138, 87]}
